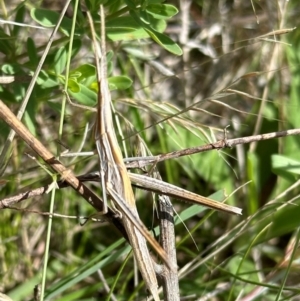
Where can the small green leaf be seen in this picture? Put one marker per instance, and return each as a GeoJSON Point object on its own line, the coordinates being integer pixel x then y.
{"type": "Point", "coordinates": [162, 11]}
{"type": "Point", "coordinates": [73, 86]}
{"type": "Point", "coordinates": [285, 167]}
{"type": "Point", "coordinates": [20, 17]}
{"type": "Point", "coordinates": [6, 95]}
{"type": "Point", "coordinates": [29, 123]}
{"type": "Point", "coordinates": [60, 60]}
{"type": "Point", "coordinates": [32, 53]}
{"type": "Point", "coordinates": [130, 4]}
{"type": "Point", "coordinates": [144, 16]}
{"type": "Point", "coordinates": [94, 86]}
{"type": "Point", "coordinates": [158, 37]}
{"type": "Point", "coordinates": [75, 74]}
{"type": "Point", "coordinates": [286, 164]}
{"type": "Point", "coordinates": [47, 81]}
{"type": "Point", "coordinates": [50, 18]}
{"type": "Point", "coordinates": [77, 43]}
{"type": "Point", "coordinates": [284, 221]}
{"type": "Point", "coordinates": [119, 82]}
{"type": "Point", "coordinates": [85, 71]}
{"type": "Point", "coordinates": [139, 53]}
{"type": "Point", "coordinates": [125, 28]}
{"type": "Point", "coordinates": [109, 56]}
{"type": "Point", "coordinates": [11, 69]}
{"type": "Point", "coordinates": [5, 43]}
{"type": "Point", "coordinates": [164, 41]}
{"type": "Point", "coordinates": [44, 17]}
{"type": "Point", "coordinates": [253, 177]}
{"type": "Point", "coordinates": [85, 96]}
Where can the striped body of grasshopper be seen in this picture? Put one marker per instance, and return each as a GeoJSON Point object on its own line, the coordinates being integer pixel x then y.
{"type": "Point", "coordinates": [114, 176]}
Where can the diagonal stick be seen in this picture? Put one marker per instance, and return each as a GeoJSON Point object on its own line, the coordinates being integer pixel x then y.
{"type": "Point", "coordinates": [163, 188]}
{"type": "Point", "coordinates": [140, 181]}
{"type": "Point", "coordinates": [114, 177]}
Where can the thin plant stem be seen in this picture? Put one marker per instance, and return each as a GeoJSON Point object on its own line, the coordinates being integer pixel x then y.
{"type": "Point", "coordinates": [242, 261]}
{"type": "Point", "coordinates": [288, 269]}
{"type": "Point", "coordinates": [50, 219]}
{"type": "Point", "coordinates": [64, 100]}
{"type": "Point", "coordinates": [118, 276]}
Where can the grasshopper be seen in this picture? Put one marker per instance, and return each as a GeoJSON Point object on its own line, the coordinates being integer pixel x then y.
{"type": "Point", "coordinates": [114, 176]}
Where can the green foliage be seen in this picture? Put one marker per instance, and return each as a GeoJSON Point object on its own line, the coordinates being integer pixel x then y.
{"type": "Point", "coordinates": [163, 103]}
{"type": "Point", "coordinates": [48, 18]}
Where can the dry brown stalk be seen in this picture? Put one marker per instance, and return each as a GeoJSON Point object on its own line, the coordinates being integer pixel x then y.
{"type": "Point", "coordinates": [141, 162]}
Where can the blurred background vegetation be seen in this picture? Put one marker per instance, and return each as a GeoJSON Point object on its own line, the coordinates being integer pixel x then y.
{"type": "Point", "coordinates": [212, 57]}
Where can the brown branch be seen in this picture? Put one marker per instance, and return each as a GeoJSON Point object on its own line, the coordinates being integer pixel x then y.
{"type": "Point", "coordinates": [139, 181]}
{"type": "Point", "coordinates": [142, 162]}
